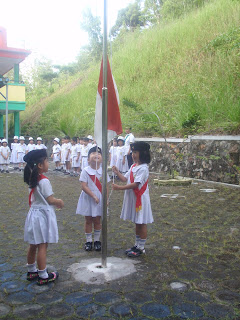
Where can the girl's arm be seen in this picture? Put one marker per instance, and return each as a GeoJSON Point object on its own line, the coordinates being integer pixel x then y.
{"type": "Point", "coordinates": [86, 189]}
{"type": "Point", "coordinates": [133, 185]}
{"type": "Point", "coordinates": [55, 202]}
{"type": "Point", "coordinates": [120, 176]}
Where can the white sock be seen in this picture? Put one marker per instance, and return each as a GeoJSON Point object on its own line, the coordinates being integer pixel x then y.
{"type": "Point", "coordinates": [88, 237]}
{"type": "Point", "coordinates": [43, 274]}
{"type": "Point", "coordinates": [141, 243]}
{"type": "Point", "coordinates": [32, 267]}
{"type": "Point", "coordinates": [137, 240]}
{"type": "Point", "coordinates": [97, 234]}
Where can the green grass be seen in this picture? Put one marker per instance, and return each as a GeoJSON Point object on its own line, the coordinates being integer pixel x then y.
{"type": "Point", "coordinates": [187, 71]}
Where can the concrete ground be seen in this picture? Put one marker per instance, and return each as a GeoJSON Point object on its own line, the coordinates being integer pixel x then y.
{"type": "Point", "coordinates": [190, 270]}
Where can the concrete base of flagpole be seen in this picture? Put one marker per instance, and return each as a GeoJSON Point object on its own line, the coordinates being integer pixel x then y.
{"type": "Point", "coordinates": [91, 271]}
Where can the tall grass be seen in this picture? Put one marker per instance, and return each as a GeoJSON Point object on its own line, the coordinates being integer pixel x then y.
{"type": "Point", "coordinates": [170, 70]}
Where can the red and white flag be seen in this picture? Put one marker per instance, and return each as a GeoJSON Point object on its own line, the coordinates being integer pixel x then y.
{"type": "Point", "coordinates": [114, 126]}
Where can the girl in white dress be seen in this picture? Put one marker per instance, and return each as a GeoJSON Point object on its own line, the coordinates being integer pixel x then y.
{"type": "Point", "coordinates": [56, 153]}
{"type": "Point", "coordinates": [75, 156]}
{"type": "Point", "coordinates": [113, 153]}
{"type": "Point", "coordinates": [90, 200]}
{"type": "Point", "coordinates": [121, 162]}
{"type": "Point", "coordinates": [84, 153]}
{"type": "Point", "coordinates": [13, 159]}
{"type": "Point", "coordinates": [21, 151]}
{"type": "Point", "coordinates": [41, 223]}
{"type": "Point", "coordinates": [5, 152]}
{"type": "Point", "coordinates": [31, 146]}
{"type": "Point", "coordinates": [39, 144]}
{"type": "Point", "coordinates": [136, 202]}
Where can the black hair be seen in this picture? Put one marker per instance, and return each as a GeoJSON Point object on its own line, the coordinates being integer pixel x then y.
{"type": "Point", "coordinates": [30, 175]}
{"type": "Point", "coordinates": [67, 137]}
{"type": "Point", "coordinates": [74, 139]}
{"type": "Point", "coordinates": [144, 151]}
{"type": "Point", "coordinates": [94, 149]}
{"type": "Point", "coordinates": [33, 159]}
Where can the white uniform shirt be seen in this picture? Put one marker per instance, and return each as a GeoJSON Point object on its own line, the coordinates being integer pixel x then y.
{"type": "Point", "coordinates": [40, 146]}
{"type": "Point", "coordinates": [30, 147]}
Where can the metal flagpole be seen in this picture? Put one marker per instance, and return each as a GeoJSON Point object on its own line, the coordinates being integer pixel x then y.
{"type": "Point", "coordinates": [104, 140]}
{"type": "Point", "coordinates": [6, 118]}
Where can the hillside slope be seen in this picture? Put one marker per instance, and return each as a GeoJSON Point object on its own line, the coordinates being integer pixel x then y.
{"type": "Point", "coordinates": [186, 71]}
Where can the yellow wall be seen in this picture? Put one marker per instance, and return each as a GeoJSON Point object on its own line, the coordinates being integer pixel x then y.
{"type": "Point", "coordinates": [15, 93]}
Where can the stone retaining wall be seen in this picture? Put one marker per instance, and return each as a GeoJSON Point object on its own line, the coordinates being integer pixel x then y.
{"type": "Point", "coordinates": [214, 160]}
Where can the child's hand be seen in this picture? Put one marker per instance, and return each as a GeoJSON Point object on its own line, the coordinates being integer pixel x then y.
{"type": "Point", "coordinates": [96, 199]}
{"type": "Point", "coordinates": [116, 186]}
{"type": "Point", "coordinates": [60, 204]}
{"type": "Point", "coordinates": [52, 155]}
{"type": "Point", "coordinates": [115, 169]}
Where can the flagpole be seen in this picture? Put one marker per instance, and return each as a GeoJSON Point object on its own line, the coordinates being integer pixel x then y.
{"type": "Point", "coordinates": [104, 140]}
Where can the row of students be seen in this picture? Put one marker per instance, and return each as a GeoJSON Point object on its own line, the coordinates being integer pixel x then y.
{"type": "Point", "coordinates": [19, 148]}
{"type": "Point", "coordinates": [4, 155]}
{"type": "Point", "coordinates": [136, 206]}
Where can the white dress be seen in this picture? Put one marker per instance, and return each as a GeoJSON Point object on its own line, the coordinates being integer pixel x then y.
{"type": "Point", "coordinates": [40, 146]}
{"type": "Point", "coordinates": [56, 152]}
{"type": "Point", "coordinates": [31, 147]}
{"type": "Point", "coordinates": [21, 151]}
{"type": "Point", "coordinates": [14, 152]}
{"type": "Point", "coordinates": [41, 222]}
{"type": "Point", "coordinates": [75, 155]}
{"type": "Point", "coordinates": [4, 151]}
{"type": "Point", "coordinates": [120, 154]}
{"type": "Point", "coordinates": [84, 153]}
{"type": "Point", "coordinates": [86, 205]}
{"type": "Point", "coordinates": [113, 152]}
{"type": "Point", "coordinates": [144, 216]}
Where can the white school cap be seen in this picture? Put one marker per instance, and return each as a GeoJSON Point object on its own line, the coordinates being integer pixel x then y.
{"type": "Point", "coordinates": [90, 137]}
{"type": "Point", "coordinates": [30, 138]}
{"type": "Point", "coordinates": [120, 138]}
{"type": "Point", "coordinates": [57, 140]}
{"type": "Point", "coordinates": [4, 140]}
{"type": "Point", "coordinates": [21, 138]}
{"type": "Point", "coordinates": [15, 137]}
{"type": "Point", "coordinates": [39, 139]}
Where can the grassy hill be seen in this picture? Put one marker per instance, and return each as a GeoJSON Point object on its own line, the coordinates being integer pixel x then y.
{"type": "Point", "coordinates": [187, 71]}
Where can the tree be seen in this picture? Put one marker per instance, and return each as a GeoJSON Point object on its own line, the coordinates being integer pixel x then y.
{"type": "Point", "coordinates": [92, 25]}
{"type": "Point", "coordinates": [129, 18]}
{"type": "Point", "coordinates": [152, 10]}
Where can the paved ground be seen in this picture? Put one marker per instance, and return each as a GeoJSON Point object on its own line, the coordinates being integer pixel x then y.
{"type": "Point", "coordinates": [201, 280]}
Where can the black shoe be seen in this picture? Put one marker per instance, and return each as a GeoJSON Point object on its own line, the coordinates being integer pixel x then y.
{"type": "Point", "coordinates": [7, 171]}
{"type": "Point", "coordinates": [97, 245]}
{"type": "Point", "coordinates": [88, 246]}
{"type": "Point", "coordinates": [135, 253]}
{"type": "Point", "coordinates": [2, 171]}
{"type": "Point", "coordinates": [130, 249]}
{"type": "Point", "coordinates": [51, 278]}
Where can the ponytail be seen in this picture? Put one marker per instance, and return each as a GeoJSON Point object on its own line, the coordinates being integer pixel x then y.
{"type": "Point", "coordinates": [31, 173]}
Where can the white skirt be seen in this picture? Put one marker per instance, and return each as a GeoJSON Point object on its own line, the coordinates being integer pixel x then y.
{"type": "Point", "coordinates": [41, 225]}
{"type": "Point", "coordinates": [14, 157]}
{"type": "Point", "coordinates": [144, 216]}
{"type": "Point", "coordinates": [56, 157]}
{"type": "Point", "coordinates": [84, 162]}
{"type": "Point", "coordinates": [122, 167]}
{"type": "Point", "coordinates": [20, 157]}
{"type": "Point", "coordinates": [87, 206]}
{"type": "Point", "coordinates": [75, 163]}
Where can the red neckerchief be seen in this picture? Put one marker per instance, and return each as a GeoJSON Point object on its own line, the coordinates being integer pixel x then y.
{"type": "Point", "coordinates": [96, 181]}
{"type": "Point", "coordinates": [138, 192]}
{"type": "Point", "coordinates": [40, 177]}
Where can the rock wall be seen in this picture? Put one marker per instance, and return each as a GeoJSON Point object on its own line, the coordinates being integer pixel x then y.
{"type": "Point", "coordinates": [203, 159]}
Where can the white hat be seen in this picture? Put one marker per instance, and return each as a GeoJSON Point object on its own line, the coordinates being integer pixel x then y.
{"type": "Point", "coordinates": [4, 140]}
{"type": "Point", "coordinates": [39, 139]}
{"type": "Point", "coordinates": [15, 137]}
{"type": "Point", "coordinates": [21, 138]}
{"type": "Point", "coordinates": [90, 137]}
{"type": "Point", "coordinates": [120, 138]}
{"type": "Point", "coordinates": [56, 139]}
{"type": "Point", "coordinates": [30, 138]}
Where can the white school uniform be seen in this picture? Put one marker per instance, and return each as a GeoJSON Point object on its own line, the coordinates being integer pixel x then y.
{"type": "Point", "coordinates": [68, 154]}
{"type": "Point", "coordinates": [40, 146]}
{"type": "Point", "coordinates": [21, 151]}
{"type": "Point", "coordinates": [56, 150]}
{"type": "Point", "coordinates": [113, 152]}
{"type": "Point", "coordinates": [1, 157]}
{"type": "Point", "coordinates": [63, 153]}
{"type": "Point", "coordinates": [75, 155]}
{"type": "Point", "coordinates": [121, 153]}
{"type": "Point", "coordinates": [144, 216]}
{"type": "Point", "coordinates": [84, 154]}
{"type": "Point", "coordinates": [14, 152]}
{"type": "Point", "coordinates": [4, 151]}
{"type": "Point", "coordinates": [86, 205]}
{"type": "Point", "coordinates": [30, 147]}
{"type": "Point", "coordinates": [41, 222]}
